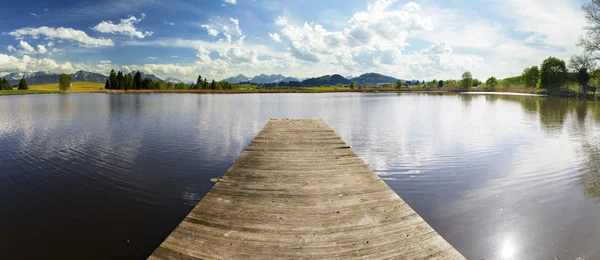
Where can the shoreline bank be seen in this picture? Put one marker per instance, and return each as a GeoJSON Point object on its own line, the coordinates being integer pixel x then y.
{"type": "Point", "coordinates": [501, 91]}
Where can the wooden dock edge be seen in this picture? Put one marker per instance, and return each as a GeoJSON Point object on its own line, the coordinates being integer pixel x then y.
{"type": "Point", "coordinates": [299, 192]}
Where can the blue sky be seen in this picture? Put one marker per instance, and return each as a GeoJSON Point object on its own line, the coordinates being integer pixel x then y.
{"type": "Point", "coordinates": [301, 38]}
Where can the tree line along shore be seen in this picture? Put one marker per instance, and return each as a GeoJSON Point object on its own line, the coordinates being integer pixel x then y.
{"type": "Point", "coordinates": [552, 78]}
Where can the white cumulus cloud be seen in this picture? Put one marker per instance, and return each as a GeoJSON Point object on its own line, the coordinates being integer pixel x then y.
{"type": "Point", "coordinates": [203, 54]}
{"type": "Point", "coordinates": [105, 61]}
{"type": "Point", "coordinates": [26, 63]}
{"type": "Point", "coordinates": [62, 33]}
{"type": "Point", "coordinates": [281, 21]}
{"type": "Point", "coordinates": [211, 31]}
{"type": "Point", "coordinates": [124, 27]}
{"type": "Point", "coordinates": [42, 49]}
{"type": "Point", "coordinates": [231, 1]}
{"type": "Point", "coordinates": [26, 47]}
{"type": "Point", "coordinates": [438, 48]}
{"type": "Point", "coordinates": [275, 37]}
{"type": "Point", "coordinates": [372, 37]}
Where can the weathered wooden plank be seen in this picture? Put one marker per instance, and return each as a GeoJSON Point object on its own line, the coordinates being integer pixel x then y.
{"type": "Point", "coordinates": [299, 191]}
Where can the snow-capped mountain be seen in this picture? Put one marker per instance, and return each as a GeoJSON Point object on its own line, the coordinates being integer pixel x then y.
{"type": "Point", "coordinates": [144, 75]}
{"type": "Point", "coordinates": [274, 78]}
{"type": "Point", "coordinates": [261, 79]}
{"type": "Point", "coordinates": [237, 79]}
{"type": "Point", "coordinates": [85, 76]}
{"type": "Point", "coordinates": [44, 77]}
{"type": "Point", "coordinates": [173, 80]}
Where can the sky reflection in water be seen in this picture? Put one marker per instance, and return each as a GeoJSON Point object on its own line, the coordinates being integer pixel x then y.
{"type": "Point", "coordinates": [500, 177]}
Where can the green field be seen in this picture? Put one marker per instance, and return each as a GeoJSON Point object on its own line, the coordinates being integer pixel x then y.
{"type": "Point", "coordinates": [514, 82]}
{"type": "Point", "coordinates": [26, 92]}
{"type": "Point", "coordinates": [245, 86]}
{"type": "Point", "coordinates": [75, 87]}
{"type": "Point", "coordinates": [326, 88]}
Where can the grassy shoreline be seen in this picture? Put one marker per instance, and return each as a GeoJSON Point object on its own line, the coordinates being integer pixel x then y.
{"type": "Point", "coordinates": [98, 88]}
{"type": "Point", "coordinates": [247, 91]}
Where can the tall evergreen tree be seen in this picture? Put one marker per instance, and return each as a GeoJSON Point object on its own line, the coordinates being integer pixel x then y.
{"type": "Point", "coordinates": [114, 84]}
{"type": "Point", "coordinates": [128, 81]}
{"type": "Point", "coordinates": [199, 82]}
{"type": "Point", "coordinates": [120, 81]}
{"type": "Point", "coordinates": [204, 84]}
{"type": "Point", "coordinates": [213, 84]}
{"type": "Point", "coordinates": [107, 84]}
{"type": "Point", "coordinates": [146, 83]}
{"type": "Point", "coordinates": [4, 84]}
{"type": "Point", "coordinates": [137, 80]}
{"type": "Point", "coordinates": [23, 84]}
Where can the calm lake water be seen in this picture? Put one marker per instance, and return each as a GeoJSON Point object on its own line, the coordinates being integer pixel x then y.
{"type": "Point", "coordinates": [87, 176]}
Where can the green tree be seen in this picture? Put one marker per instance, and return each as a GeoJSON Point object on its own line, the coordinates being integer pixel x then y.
{"type": "Point", "coordinates": [199, 82]}
{"type": "Point", "coordinates": [213, 84]}
{"type": "Point", "coordinates": [553, 74]}
{"type": "Point", "coordinates": [107, 84]}
{"type": "Point", "coordinates": [4, 85]}
{"type": "Point", "coordinates": [467, 81]}
{"type": "Point", "coordinates": [530, 77]}
{"type": "Point", "coordinates": [582, 65]}
{"type": "Point", "coordinates": [161, 85]}
{"type": "Point", "coordinates": [352, 85]}
{"type": "Point", "coordinates": [170, 85]}
{"type": "Point", "coordinates": [23, 84]}
{"type": "Point", "coordinates": [120, 82]}
{"type": "Point", "coordinates": [64, 82]}
{"type": "Point", "coordinates": [129, 83]}
{"type": "Point", "coordinates": [441, 84]}
{"type": "Point", "coordinates": [204, 84]}
{"type": "Point", "coordinates": [227, 85]}
{"type": "Point", "coordinates": [146, 83]}
{"type": "Point", "coordinates": [491, 83]}
{"type": "Point", "coordinates": [137, 80]}
{"type": "Point", "coordinates": [113, 83]}
{"type": "Point", "coordinates": [398, 85]}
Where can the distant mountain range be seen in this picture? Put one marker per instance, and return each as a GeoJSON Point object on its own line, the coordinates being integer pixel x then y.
{"type": "Point", "coordinates": [144, 76]}
{"type": "Point", "coordinates": [327, 80]}
{"type": "Point", "coordinates": [367, 79]}
{"type": "Point", "coordinates": [237, 79]}
{"type": "Point", "coordinates": [83, 76]}
{"type": "Point", "coordinates": [260, 79]}
{"type": "Point", "coordinates": [44, 77]}
{"type": "Point", "coordinates": [336, 79]}
{"type": "Point", "coordinates": [373, 79]}
{"type": "Point", "coordinates": [173, 80]}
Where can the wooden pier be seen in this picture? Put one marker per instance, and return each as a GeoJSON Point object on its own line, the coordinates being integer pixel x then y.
{"type": "Point", "coordinates": [299, 191]}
